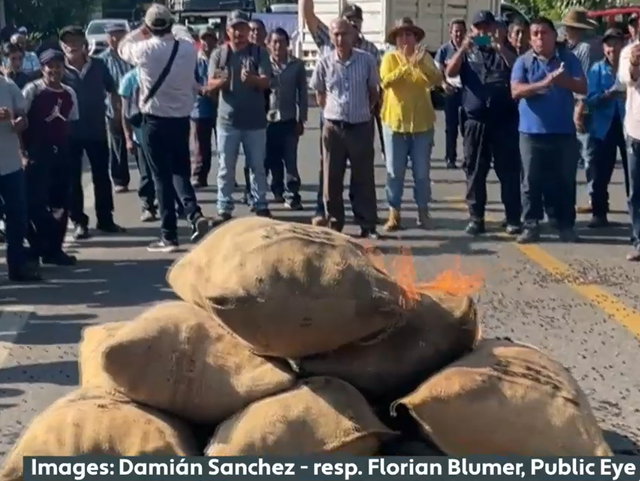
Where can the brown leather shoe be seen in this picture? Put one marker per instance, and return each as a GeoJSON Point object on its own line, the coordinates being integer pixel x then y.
{"type": "Point", "coordinates": [394, 221]}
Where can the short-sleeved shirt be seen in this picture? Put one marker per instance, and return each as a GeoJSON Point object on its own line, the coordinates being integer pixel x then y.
{"type": "Point", "coordinates": [129, 89]}
{"type": "Point", "coordinates": [10, 98]}
{"type": "Point", "coordinates": [49, 112]}
{"type": "Point", "coordinates": [347, 85]}
{"type": "Point", "coordinates": [486, 91]}
{"type": "Point", "coordinates": [443, 55]}
{"type": "Point", "coordinates": [322, 39]}
{"type": "Point", "coordinates": [204, 107]}
{"type": "Point", "coordinates": [241, 106]}
{"type": "Point", "coordinates": [91, 85]}
{"type": "Point", "coordinates": [117, 68]}
{"type": "Point", "coordinates": [549, 112]}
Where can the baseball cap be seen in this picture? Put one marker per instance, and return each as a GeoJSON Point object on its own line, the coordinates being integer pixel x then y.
{"type": "Point", "coordinates": [158, 17]}
{"type": "Point", "coordinates": [351, 10]}
{"type": "Point", "coordinates": [613, 33]}
{"type": "Point", "coordinates": [483, 16]}
{"type": "Point", "coordinates": [23, 30]}
{"type": "Point", "coordinates": [115, 28]}
{"type": "Point", "coordinates": [73, 30]}
{"type": "Point", "coordinates": [49, 55]}
{"type": "Point", "coordinates": [238, 17]}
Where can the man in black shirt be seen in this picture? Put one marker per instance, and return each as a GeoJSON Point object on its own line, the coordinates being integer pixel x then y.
{"type": "Point", "coordinates": [484, 63]}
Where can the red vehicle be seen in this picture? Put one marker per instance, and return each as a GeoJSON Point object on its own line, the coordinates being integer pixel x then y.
{"type": "Point", "coordinates": [613, 17]}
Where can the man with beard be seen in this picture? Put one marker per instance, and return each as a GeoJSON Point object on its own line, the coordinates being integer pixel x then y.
{"type": "Point", "coordinates": [91, 81]}
{"type": "Point", "coordinates": [118, 159]}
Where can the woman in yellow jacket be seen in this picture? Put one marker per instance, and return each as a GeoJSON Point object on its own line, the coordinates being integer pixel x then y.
{"type": "Point", "coordinates": [407, 75]}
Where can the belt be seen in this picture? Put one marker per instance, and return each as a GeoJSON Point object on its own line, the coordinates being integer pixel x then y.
{"type": "Point", "coordinates": [346, 125]}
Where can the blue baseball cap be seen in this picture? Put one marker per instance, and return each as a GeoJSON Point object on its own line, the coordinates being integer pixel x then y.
{"type": "Point", "coordinates": [115, 28]}
{"type": "Point", "coordinates": [50, 55]}
{"type": "Point", "coordinates": [483, 16]}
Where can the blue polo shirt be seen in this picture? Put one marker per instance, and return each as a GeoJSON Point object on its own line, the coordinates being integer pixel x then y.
{"type": "Point", "coordinates": [486, 92]}
{"type": "Point", "coordinates": [444, 53]}
{"type": "Point", "coordinates": [550, 112]}
{"type": "Point", "coordinates": [204, 107]}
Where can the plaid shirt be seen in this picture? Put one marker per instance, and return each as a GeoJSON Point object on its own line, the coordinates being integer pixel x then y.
{"type": "Point", "coordinates": [117, 68]}
{"type": "Point", "coordinates": [322, 38]}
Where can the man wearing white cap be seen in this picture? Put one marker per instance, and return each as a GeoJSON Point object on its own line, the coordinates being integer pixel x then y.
{"type": "Point", "coordinates": [166, 59]}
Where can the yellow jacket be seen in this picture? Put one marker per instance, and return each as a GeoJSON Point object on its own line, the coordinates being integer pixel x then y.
{"type": "Point", "coordinates": [406, 99]}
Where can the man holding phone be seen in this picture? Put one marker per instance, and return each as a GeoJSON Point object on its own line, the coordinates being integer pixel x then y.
{"type": "Point", "coordinates": [490, 131]}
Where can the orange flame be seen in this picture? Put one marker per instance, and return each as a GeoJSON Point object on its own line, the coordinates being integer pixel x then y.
{"type": "Point", "coordinates": [451, 281]}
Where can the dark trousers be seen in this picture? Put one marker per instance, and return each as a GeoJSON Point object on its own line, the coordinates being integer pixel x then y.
{"type": "Point", "coordinates": [204, 130]}
{"type": "Point", "coordinates": [484, 142]}
{"type": "Point", "coordinates": [344, 142]}
{"type": "Point", "coordinates": [634, 188]}
{"type": "Point", "coordinates": [604, 163]}
{"type": "Point", "coordinates": [320, 211]}
{"type": "Point", "coordinates": [166, 143]}
{"type": "Point", "coordinates": [49, 187]}
{"type": "Point", "coordinates": [118, 157]}
{"type": "Point", "coordinates": [14, 195]}
{"type": "Point", "coordinates": [146, 187]}
{"type": "Point", "coordinates": [454, 124]}
{"type": "Point", "coordinates": [550, 164]}
{"type": "Point", "coordinates": [282, 158]}
{"type": "Point", "coordinates": [98, 153]}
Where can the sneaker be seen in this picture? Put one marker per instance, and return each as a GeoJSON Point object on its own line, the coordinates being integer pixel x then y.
{"type": "Point", "coordinates": [148, 216]}
{"type": "Point", "coordinates": [475, 227]}
{"type": "Point", "coordinates": [222, 218]}
{"type": "Point", "coordinates": [451, 164]}
{"type": "Point", "coordinates": [293, 205]}
{"type": "Point", "coordinates": [111, 228]}
{"type": "Point", "coordinates": [121, 189]}
{"type": "Point", "coordinates": [370, 234]}
{"type": "Point", "coordinates": [598, 222]}
{"type": "Point", "coordinates": [81, 232]}
{"type": "Point", "coordinates": [530, 235]}
{"type": "Point", "coordinates": [163, 245]}
{"type": "Point", "coordinates": [513, 229]}
{"type": "Point", "coordinates": [60, 259]}
{"type": "Point", "coordinates": [263, 213]}
{"type": "Point", "coordinates": [199, 228]}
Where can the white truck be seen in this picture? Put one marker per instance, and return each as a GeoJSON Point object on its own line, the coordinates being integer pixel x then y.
{"type": "Point", "coordinates": [380, 15]}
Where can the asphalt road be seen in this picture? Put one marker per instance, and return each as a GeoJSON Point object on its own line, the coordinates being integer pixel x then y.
{"type": "Point", "coordinates": [575, 301]}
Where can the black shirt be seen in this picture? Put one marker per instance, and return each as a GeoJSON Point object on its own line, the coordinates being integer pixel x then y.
{"type": "Point", "coordinates": [486, 85]}
{"type": "Point", "coordinates": [20, 79]}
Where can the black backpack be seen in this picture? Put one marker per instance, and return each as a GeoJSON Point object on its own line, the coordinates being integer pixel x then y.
{"type": "Point", "coordinates": [225, 52]}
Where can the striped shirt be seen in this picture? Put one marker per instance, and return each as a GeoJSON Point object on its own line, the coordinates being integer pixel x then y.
{"type": "Point", "coordinates": [322, 38]}
{"type": "Point", "coordinates": [346, 84]}
{"type": "Point", "coordinates": [117, 68]}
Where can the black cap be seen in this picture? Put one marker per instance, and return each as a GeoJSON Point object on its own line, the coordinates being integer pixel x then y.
{"type": "Point", "coordinates": [483, 16]}
{"type": "Point", "coordinates": [115, 28]}
{"type": "Point", "coordinates": [351, 10]}
{"type": "Point", "coordinates": [49, 55]}
{"type": "Point", "coordinates": [74, 30]}
{"type": "Point", "coordinates": [238, 17]}
{"type": "Point", "coordinates": [613, 34]}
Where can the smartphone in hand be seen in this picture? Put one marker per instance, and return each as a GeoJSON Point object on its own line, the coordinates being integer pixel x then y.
{"type": "Point", "coordinates": [482, 40]}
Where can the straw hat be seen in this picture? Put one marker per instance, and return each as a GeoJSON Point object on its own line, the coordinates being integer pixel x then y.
{"type": "Point", "coordinates": [404, 24]}
{"type": "Point", "coordinates": [577, 18]}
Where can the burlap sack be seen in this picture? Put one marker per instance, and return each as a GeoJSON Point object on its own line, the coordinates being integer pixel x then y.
{"type": "Point", "coordinates": [88, 421]}
{"type": "Point", "coordinates": [176, 357]}
{"type": "Point", "coordinates": [288, 290]}
{"type": "Point", "coordinates": [90, 353]}
{"type": "Point", "coordinates": [320, 415]}
{"type": "Point", "coordinates": [434, 335]}
{"type": "Point", "coordinates": [506, 398]}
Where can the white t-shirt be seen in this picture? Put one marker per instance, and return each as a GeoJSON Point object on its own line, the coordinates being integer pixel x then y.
{"type": "Point", "coordinates": [11, 98]}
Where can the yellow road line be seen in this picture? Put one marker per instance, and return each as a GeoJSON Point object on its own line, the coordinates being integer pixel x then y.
{"type": "Point", "coordinates": [607, 302]}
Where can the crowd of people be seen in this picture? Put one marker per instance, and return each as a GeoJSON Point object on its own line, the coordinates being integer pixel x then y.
{"type": "Point", "coordinates": [525, 104]}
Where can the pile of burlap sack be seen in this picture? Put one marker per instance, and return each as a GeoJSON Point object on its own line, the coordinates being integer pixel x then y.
{"type": "Point", "coordinates": [289, 340]}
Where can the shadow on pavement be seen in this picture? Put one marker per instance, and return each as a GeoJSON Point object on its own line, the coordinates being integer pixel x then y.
{"type": "Point", "coordinates": [621, 444]}
{"type": "Point", "coordinates": [61, 373]}
{"type": "Point", "coordinates": [10, 392]}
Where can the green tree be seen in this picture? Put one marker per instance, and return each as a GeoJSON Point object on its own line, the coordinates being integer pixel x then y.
{"type": "Point", "coordinates": [555, 9]}
{"type": "Point", "coordinates": [48, 16]}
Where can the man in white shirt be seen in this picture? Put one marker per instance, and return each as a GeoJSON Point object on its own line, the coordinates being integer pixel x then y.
{"type": "Point", "coordinates": [629, 76]}
{"type": "Point", "coordinates": [166, 101]}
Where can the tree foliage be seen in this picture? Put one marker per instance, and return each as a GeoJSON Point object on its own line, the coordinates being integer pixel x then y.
{"type": "Point", "coordinates": [555, 9]}
{"type": "Point", "coordinates": [47, 16]}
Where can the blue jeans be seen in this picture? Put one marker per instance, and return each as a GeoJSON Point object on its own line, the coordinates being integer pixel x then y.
{"type": "Point", "coordinates": [254, 144]}
{"type": "Point", "coordinates": [587, 154]}
{"type": "Point", "coordinates": [633, 149]}
{"type": "Point", "coordinates": [14, 194]}
{"type": "Point", "coordinates": [399, 149]}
